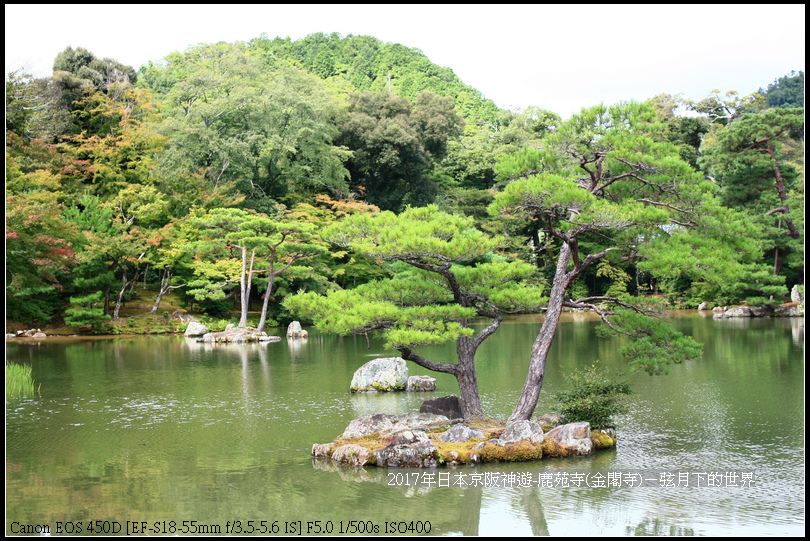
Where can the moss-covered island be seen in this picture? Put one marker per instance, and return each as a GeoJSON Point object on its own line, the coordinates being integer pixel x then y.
{"type": "Point", "coordinates": [428, 441]}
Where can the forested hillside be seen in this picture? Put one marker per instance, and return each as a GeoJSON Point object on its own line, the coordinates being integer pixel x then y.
{"type": "Point", "coordinates": [213, 175]}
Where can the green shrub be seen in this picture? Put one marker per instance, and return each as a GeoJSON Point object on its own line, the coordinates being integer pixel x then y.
{"type": "Point", "coordinates": [595, 396]}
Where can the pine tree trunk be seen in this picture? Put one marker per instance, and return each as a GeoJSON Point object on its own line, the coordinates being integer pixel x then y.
{"type": "Point", "coordinates": [467, 380]}
{"type": "Point", "coordinates": [542, 344]}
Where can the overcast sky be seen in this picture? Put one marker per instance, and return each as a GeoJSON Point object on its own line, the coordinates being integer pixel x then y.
{"type": "Point", "coordinates": [560, 58]}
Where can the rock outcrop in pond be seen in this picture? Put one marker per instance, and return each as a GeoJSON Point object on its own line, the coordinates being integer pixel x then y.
{"type": "Point", "coordinates": [235, 335]}
{"type": "Point", "coordinates": [294, 330]}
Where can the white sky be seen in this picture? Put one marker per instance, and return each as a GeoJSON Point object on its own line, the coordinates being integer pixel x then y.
{"type": "Point", "coordinates": [560, 58]}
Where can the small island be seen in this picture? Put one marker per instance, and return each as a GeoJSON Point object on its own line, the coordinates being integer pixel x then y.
{"type": "Point", "coordinates": [426, 440]}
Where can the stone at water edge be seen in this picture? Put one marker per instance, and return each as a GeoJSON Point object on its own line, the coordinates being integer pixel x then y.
{"type": "Point", "coordinates": [412, 449]}
{"type": "Point", "coordinates": [294, 330]}
{"type": "Point", "coordinates": [521, 431]}
{"type": "Point", "coordinates": [351, 455]}
{"type": "Point", "coordinates": [576, 436]}
{"type": "Point", "coordinates": [421, 383]}
{"type": "Point", "coordinates": [196, 329]}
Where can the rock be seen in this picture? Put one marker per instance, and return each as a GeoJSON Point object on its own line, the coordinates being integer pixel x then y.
{"type": "Point", "coordinates": [265, 338]}
{"type": "Point", "coordinates": [460, 434]}
{"type": "Point", "coordinates": [550, 419]}
{"type": "Point", "coordinates": [230, 326]}
{"type": "Point", "coordinates": [421, 383]}
{"type": "Point", "coordinates": [448, 406]}
{"type": "Point", "coordinates": [412, 449]}
{"type": "Point", "coordinates": [351, 455]}
{"type": "Point", "coordinates": [520, 431]}
{"type": "Point", "coordinates": [386, 374]}
{"type": "Point", "coordinates": [392, 424]}
{"type": "Point", "coordinates": [420, 421]}
{"type": "Point", "coordinates": [368, 425]}
{"type": "Point", "coordinates": [232, 334]}
{"type": "Point", "coordinates": [761, 311]}
{"type": "Point", "coordinates": [574, 436]}
{"type": "Point", "coordinates": [321, 450]}
{"type": "Point", "coordinates": [705, 306]}
{"type": "Point", "coordinates": [788, 310]}
{"type": "Point", "coordinates": [294, 330]}
{"type": "Point", "coordinates": [196, 329]}
{"type": "Point", "coordinates": [796, 294]}
{"type": "Point", "coordinates": [739, 311]}
{"type": "Point", "coordinates": [39, 334]}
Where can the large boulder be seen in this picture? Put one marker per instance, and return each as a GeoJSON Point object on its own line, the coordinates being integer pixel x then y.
{"type": "Point", "coordinates": [386, 374]}
{"type": "Point", "coordinates": [576, 437]}
{"type": "Point", "coordinates": [448, 406]}
{"type": "Point", "coordinates": [233, 334]}
{"type": "Point", "coordinates": [411, 449]}
{"type": "Point", "coordinates": [460, 434]}
{"type": "Point", "coordinates": [370, 424]}
{"type": "Point", "coordinates": [294, 330]}
{"type": "Point", "coordinates": [391, 424]}
{"type": "Point", "coordinates": [796, 294]}
{"type": "Point", "coordinates": [196, 329]}
{"type": "Point", "coordinates": [521, 431]}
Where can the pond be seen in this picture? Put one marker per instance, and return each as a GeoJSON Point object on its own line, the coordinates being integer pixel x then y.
{"type": "Point", "coordinates": [166, 435]}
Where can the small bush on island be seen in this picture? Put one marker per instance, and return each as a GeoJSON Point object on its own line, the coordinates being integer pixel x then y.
{"type": "Point", "coordinates": [595, 396]}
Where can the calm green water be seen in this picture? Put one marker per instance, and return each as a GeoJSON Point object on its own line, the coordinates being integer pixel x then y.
{"type": "Point", "coordinates": [164, 429]}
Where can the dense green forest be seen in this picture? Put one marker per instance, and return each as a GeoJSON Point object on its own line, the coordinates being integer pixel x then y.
{"type": "Point", "coordinates": [223, 174]}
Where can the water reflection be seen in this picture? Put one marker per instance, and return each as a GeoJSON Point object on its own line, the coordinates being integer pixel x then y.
{"type": "Point", "coordinates": [160, 428]}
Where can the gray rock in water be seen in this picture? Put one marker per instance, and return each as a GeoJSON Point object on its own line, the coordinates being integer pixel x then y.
{"type": "Point", "coordinates": [576, 436]}
{"type": "Point", "coordinates": [196, 329]}
{"type": "Point", "coordinates": [294, 330]}
{"type": "Point", "coordinates": [386, 374]}
{"type": "Point", "coordinates": [520, 431]}
{"type": "Point", "coordinates": [739, 311]}
{"type": "Point", "coordinates": [421, 383]}
{"type": "Point", "coordinates": [705, 306]}
{"type": "Point", "coordinates": [449, 406]}
{"type": "Point", "coordinates": [460, 434]}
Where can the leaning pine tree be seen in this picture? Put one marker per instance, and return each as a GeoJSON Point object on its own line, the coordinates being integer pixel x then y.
{"type": "Point", "coordinates": [612, 191]}
{"type": "Point", "coordinates": [451, 276]}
